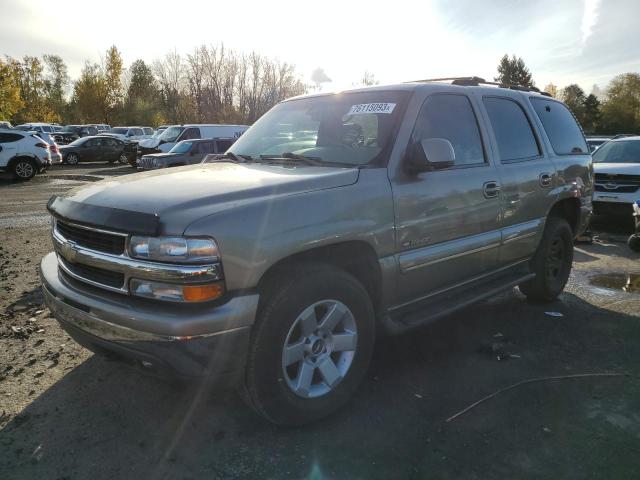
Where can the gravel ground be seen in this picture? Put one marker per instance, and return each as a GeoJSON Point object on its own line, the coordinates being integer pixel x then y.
{"type": "Point", "coordinates": [65, 413]}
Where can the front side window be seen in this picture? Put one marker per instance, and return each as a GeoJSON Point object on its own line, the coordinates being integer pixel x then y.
{"type": "Point", "coordinates": [619, 151]}
{"type": "Point", "coordinates": [190, 134]}
{"type": "Point", "coordinates": [512, 129]}
{"type": "Point", "coordinates": [353, 129]}
{"type": "Point", "coordinates": [562, 129]}
{"type": "Point", "coordinates": [451, 117]}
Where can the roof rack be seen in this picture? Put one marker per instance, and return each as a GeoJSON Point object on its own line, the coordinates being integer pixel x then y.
{"type": "Point", "coordinates": [477, 81]}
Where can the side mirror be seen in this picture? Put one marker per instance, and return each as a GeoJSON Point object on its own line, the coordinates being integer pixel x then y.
{"type": "Point", "coordinates": [429, 155]}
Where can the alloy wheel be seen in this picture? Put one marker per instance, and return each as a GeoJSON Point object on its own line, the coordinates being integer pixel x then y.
{"type": "Point", "coordinates": [319, 348]}
{"type": "Point", "coordinates": [24, 170]}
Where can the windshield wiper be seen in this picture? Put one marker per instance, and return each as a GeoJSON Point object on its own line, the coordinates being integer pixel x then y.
{"type": "Point", "coordinates": [316, 161]}
{"type": "Point", "coordinates": [236, 158]}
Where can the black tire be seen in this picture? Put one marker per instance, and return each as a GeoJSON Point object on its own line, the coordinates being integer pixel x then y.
{"type": "Point", "coordinates": [551, 263]}
{"type": "Point", "coordinates": [24, 169]}
{"type": "Point", "coordinates": [634, 242]}
{"type": "Point", "coordinates": [72, 159]}
{"type": "Point", "coordinates": [288, 295]}
{"type": "Point", "coordinates": [123, 159]}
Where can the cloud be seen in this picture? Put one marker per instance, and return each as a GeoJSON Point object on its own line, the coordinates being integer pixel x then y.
{"type": "Point", "coordinates": [589, 19]}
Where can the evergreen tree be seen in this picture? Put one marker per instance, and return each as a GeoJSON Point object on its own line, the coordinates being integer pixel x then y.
{"type": "Point", "coordinates": [592, 114]}
{"type": "Point", "coordinates": [513, 71]}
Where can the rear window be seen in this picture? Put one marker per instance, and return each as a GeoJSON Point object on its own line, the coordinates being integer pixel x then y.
{"type": "Point", "coordinates": [512, 129]}
{"type": "Point", "coordinates": [562, 129]}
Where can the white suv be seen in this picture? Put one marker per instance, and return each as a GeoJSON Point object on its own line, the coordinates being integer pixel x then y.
{"type": "Point", "coordinates": [129, 133]}
{"type": "Point", "coordinates": [23, 153]}
{"type": "Point", "coordinates": [617, 176]}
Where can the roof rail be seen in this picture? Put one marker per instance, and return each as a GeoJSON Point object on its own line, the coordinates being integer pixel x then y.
{"type": "Point", "coordinates": [477, 81]}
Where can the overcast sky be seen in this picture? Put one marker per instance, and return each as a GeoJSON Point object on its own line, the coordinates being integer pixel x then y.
{"type": "Point", "coordinates": [566, 41]}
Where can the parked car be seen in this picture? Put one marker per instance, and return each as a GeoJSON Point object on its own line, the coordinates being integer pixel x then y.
{"type": "Point", "coordinates": [275, 267]}
{"type": "Point", "coordinates": [129, 133]}
{"type": "Point", "coordinates": [70, 133]}
{"type": "Point", "coordinates": [4, 124]}
{"type": "Point", "coordinates": [36, 127]}
{"type": "Point", "coordinates": [186, 152]}
{"type": "Point", "coordinates": [23, 153]}
{"type": "Point", "coordinates": [178, 133]}
{"type": "Point", "coordinates": [98, 149]}
{"type": "Point", "coordinates": [617, 177]}
{"type": "Point", "coordinates": [596, 142]}
{"type": "Point", "coordinates": [101, 127]}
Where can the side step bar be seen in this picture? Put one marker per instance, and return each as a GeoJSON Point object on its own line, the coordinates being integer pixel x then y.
{"type": "Point", "coordinates": [425, 312]}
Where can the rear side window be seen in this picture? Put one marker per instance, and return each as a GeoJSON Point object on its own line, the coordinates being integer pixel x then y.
{"type": "Point", "coordinates": [562, 129]}
{"type": "Point", "coordinates": [224, 145]}
{"type": "Point", "coordinates": [451, 117]}
{"type": "Point", "coordinates": [10, 137]}
{"type": "Point", "coordinates": [512, 129]}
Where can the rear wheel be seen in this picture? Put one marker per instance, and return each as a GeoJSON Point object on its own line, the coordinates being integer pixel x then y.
{"type": "Point", "coordinates": [24, 169]}
{"type": "Point", "coordinates": [311, 345]}
{"type": "Point", "coordinates": [634, 242]}
{"type": "Point", "coordinates": [123, 158]}
{"type": "Point", "coordinates": [551, 262]}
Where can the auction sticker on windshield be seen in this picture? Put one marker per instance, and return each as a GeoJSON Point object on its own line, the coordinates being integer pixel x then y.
{"type": "Point", "coordinates": [372, 108]}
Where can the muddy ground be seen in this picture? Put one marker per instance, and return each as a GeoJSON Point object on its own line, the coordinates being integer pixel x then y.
{"type": "Point", "coordinates": [67, 414]}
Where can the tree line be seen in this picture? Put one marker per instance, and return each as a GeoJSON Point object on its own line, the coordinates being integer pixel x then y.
{"type": "Point", "coordinates": [210, 85]}
{"type": "Point", "coordinates": [616, 110]}
{"type": "Point", "coordinates": [219, 85]}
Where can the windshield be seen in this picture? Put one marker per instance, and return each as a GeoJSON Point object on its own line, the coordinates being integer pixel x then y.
{"type": "Point", "coordinates": [119, 130]}
{"type": "Point", "coordinates": [352, 128]}
{"type": "Point", "coordinates": [626, 151]}
{"type": "Point", "coordinates": [171, 134]}
{"type": "Point", "coordinates": [181, 147]}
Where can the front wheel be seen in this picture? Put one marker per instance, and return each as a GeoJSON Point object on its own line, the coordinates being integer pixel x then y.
{"type": "Point", "coordinates": [551, 262]}
{"type": "Point", "coordinates": [311, 345]}
{"type": "Point", "coordinates": [72, 159]}
{"type": "Point", "coordinates": [634, 242]}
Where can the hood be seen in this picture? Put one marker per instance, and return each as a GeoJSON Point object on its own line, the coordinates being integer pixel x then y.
{"type": "Point", "coordinates": [185, 194]}
{"type": "Point", "coordinates": [163, 155]}
{"type": "Point", "coordinates": [617, 168]}
{"type": "Point", "coordinates": [149, 142]}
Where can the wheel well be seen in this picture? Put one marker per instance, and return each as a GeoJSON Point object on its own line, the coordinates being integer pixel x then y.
{"type": "Point", "coordinates": [19, 157]}
{"type": "Point", "coordinates": [569, 209]}
{"type": "Point", "coordinates": [357, 258]}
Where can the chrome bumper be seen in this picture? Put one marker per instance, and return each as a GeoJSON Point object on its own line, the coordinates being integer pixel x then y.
{"type": "Point", "coordinates": [202, 340]}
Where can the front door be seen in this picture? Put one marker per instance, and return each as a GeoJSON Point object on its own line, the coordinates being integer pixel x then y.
{"type": "Point", "coordinates": [92, 151]}
{"type": "Point", "coordinates": [448, 221]}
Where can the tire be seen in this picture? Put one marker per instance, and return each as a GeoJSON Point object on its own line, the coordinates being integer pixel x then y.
{"type": "Point", "coordinates": [299, 300]}
{"type": "Point", "coordinates": [551, 263]}
{"type": "Point", "coordinates": [123, 158]}
{"type": "Point", "coordinates": [634, 242]}
{"type": "Point", "coordinates": [72, 159]}
{"type": "Point", "coordinates": [24, 169]}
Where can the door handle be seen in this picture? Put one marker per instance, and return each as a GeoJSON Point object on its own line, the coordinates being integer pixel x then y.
{"type": "Point", "coordinates": [491, 189]}
{"type": "Point", "coordinates": [545, 179]}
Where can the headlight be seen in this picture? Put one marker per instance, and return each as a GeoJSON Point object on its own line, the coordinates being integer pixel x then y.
{"type": "Point", "coordinates": [175, 292]}
{"type": "Point", "coordinates": [174, 249]}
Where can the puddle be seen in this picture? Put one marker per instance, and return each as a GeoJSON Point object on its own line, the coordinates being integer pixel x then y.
{"type": "Point", "coordinates": [617, 281]}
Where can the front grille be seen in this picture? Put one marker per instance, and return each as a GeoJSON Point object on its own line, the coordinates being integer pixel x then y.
{"type": "Point", "coordinates": [614, 187]}
{"type": "Point", "coordinates": [620, 178]}
{"type": "Point", "coordinates": [146, 163]}
{"type": "Point", "coordinates": [95, 240]}
{"type": "Point", "coordinates": [94, 274]}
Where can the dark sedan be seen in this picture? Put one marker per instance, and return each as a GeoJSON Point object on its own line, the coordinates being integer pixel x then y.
{"type": "Point", "coordinates": [186, 152]}
{"type": "Point", "coordinates": [98, 149]}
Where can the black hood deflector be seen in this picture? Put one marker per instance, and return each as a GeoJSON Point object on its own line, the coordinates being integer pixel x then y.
{"type": "Point", "coordinates": [125, 221]}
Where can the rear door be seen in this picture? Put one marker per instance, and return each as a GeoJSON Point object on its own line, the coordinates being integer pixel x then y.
{"type": "Point", "coordinates": [448, 221]}
{"type": "Point", "coordinates": [111, 149]}
{"type": "Point", "coordinates": [527, 175]}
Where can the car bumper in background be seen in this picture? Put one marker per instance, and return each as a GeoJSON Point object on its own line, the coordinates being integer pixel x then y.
{"type": "Point", "coordinates": [200, 341]}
